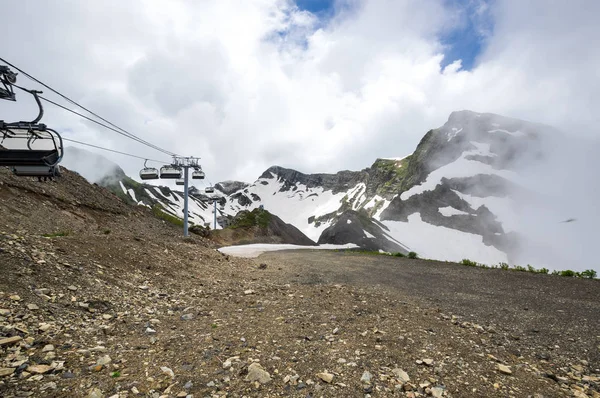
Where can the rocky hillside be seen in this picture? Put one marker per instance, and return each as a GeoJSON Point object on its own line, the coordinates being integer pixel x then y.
{"type": "Point", "coordinates": [258, 226]}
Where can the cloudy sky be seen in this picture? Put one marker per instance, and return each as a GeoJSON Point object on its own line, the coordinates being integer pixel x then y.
{"type": "Point", "coordinates": [316, 85]}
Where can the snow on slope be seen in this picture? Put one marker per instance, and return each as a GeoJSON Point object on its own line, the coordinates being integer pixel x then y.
{"type": "Point", "coordinates": [294, 206]}
{"type": "Point", "coordinates": [461, 167]}
{"type": "Point", "coordinates": [442, 243]}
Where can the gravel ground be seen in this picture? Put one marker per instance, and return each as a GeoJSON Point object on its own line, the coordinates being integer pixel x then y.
{"type": "Point", "coordinates": [100, 299]}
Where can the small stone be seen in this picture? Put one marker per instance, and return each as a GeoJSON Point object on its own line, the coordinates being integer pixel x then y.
{"type": "Point", "coordinates": [95, 393]}
{"type": "Point", "coordinates": [187, 317]}
{"type": "Point", "coordinates": [134, 390]}
{"type": "Point", "coordinates": [67, 375]}
{"type": "Point", "coordinates": [103, 361]}
{"type": "Point", "coordinates": [249, 291]}
{"type": "Point", "coordinates": [168, 371]}
{"type": "Point", "coordinates": [15, 297]}
{"type": "Point", "coordinates": [326, 377]}
{"type": "Point", "coordinates": [504, 369]}
{"type": "Point", "coordinates": [378, 347]}
{"type": "Point", "coordinates": [257, 373]}
{"type": "Point", "coordinates": [107, 317]}
{"type": "Point", "coordinates": [401, 375]}
{"type": "Point", "coordinates": [32, 307]}
{"type": "Point", "coordinates": [336, 330]}
{"type": "Point", "coordinates": [72, 288]}
{"type": "Point", "coordinates": [428, 361]}
{"type": "Point", "coordinates": [44, 327]}
{"type": "Point", "coordinates": [47, 348]}
{"type": "Point", "coordinates": [366, 377]}
{"type": "Point", "coordinates": [437, 392]}
{"type": "Point", "coordinates": [6, 371]}
{"type": "Point", "coordinates": [143, 287]}
{"type": "Point", "coordinates": [10, 340]}
{"type": "Point", "coordinates": [188, 385]}
{"type": "Point", "coordinates": [4, 312]}
{"type": "Point", "coordinates": [150, 330]}
{"type": "Point", "coordinates": [182, 394]}
{"type": "Point", "coordinates": [39, 369]}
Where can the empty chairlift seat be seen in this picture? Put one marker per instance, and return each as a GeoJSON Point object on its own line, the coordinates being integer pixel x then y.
{"type": "Point", "coordinates": [149, 173]}
{"type": "Point", "coordinates": [180, 181]}
{"type": "Point", "coordinates": [198, 175]}
{"type": "Point", "coordinates": [32, 150]}
{"type": "Point", "coordinates": [36, 171]}
{"type": "Point", "coordinates": [170, 171]}
{"type": "Point", "coordinates": [209, 190]}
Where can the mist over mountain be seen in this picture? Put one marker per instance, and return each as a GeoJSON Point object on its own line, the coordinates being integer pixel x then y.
{"type": "Point", "coordinates": [482, 186]}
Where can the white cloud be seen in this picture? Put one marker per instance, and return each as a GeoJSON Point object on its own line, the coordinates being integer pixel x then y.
{"type": "Point", "coordinates": [249, 84]}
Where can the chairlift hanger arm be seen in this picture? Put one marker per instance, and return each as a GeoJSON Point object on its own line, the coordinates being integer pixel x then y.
{"type": "Point", "coordinates": [8, 78]}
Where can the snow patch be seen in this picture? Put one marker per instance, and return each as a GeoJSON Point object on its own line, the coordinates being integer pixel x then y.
{"type": "Point", "coordinates": [453, 133]}
{"type": "Point", "coordinates": [368, 235]}
{"type": "Point", "coordinates": [348, 221]}
{"type": "Point", "coordinates": [441, 243]}
{"type": "Point", "coordinates": [255, 250]}
{"type": "Point", "coordinates": [513, 133]}
{"type": "Point", "coordinates": [450, 211]}
{"type": "Point", "coordinates": [123, 187]}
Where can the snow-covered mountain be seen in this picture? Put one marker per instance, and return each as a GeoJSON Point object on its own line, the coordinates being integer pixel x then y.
{"type": "Point", "coordinates": [453, 198]}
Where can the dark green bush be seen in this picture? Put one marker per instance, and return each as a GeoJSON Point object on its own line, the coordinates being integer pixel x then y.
{"type": "Point", "coordinates": [413, 255]}
{"type": "Point", "coordinates": [468, 262]}
{"type": "Point", "coordinates": [398, 254]}
{"type": "Point", "coordinates": [568, 272]}
{"type": "Point", "coordinates": [589, 273]}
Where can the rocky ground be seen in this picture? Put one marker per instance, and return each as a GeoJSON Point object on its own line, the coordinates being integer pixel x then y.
{"type": "Point", "coordinates": [100, 299]}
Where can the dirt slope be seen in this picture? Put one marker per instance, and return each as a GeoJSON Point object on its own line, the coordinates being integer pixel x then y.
{"type": "Point", "coordinates": [116, 303]}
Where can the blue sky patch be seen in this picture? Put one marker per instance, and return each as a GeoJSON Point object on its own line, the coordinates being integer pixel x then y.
{"type": "Point", "coordinates": [316, 6]}
{"type": "Point", "coordinates": [468, 39]}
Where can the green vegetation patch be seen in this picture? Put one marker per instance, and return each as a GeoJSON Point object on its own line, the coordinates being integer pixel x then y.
{"type": "Point", "coordinates": [256, 217]}
{"type": "Point", "coordinates": [158, 211]}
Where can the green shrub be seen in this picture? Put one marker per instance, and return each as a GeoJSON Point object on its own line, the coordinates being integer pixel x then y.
{"type": "Point", "coordinates": [589, 273]}
{"type": "Point", "coordinates": [568, 272]}
{"type": "Point", "coordinates": [468, 262]}
{"type": "Point", "coordinates": [543, 271]}
{"type": "Point", "coordinates": [504, 266]}
{"type": "Point", "coordinates": [531, 269]}
{"type": "Point", "coordinates": [555, 272]}
{"type": "Point", "coordinates": [520, 268]}
{"type": "Point", "coordinates": [398, 254]}
{"type": "Point", "coordinates": [413, 255]}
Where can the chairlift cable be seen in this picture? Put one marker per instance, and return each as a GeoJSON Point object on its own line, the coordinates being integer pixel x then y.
{"type": "Point", "coordinates": [123, 131]}
{"type": "Point", "coordinates": [95, 121]}
{"type": "Point", "coordinates": [112, 150]}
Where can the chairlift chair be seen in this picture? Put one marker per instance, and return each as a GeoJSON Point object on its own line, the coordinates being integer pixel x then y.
{"type": "Point", "coordinates": [30, 148]}
{"type": "Point", "coordinates": [148, 173]}
{"type": "Point", "coordinates": [180, 181]}
{"type": "Point", "coordinates": [198, 174]}
{"type": "Point", "coordinates": [170, 172]}
{"type": "Point", "coordinates": [209, 190]}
